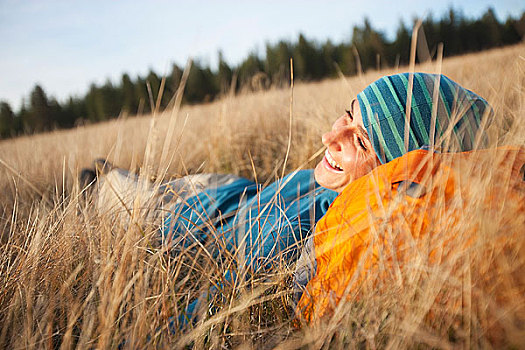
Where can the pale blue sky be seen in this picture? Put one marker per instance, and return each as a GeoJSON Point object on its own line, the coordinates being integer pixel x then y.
{"type": "Point", "coordinates": [65, 45]}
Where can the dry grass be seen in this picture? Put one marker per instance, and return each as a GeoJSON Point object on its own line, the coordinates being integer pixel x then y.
{"type": "Point", "coordinates": [70, 276]}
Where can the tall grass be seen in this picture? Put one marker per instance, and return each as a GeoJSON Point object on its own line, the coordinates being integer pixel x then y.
{"type": "Point", "coordinates": [72, 276]}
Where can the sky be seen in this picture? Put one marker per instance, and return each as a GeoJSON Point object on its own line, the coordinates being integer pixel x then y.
{"type": "Point", "coordinates": [65, 45]}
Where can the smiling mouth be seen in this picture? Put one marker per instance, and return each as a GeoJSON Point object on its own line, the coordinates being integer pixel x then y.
{"type": "Point", "coordinates": [331, 162]}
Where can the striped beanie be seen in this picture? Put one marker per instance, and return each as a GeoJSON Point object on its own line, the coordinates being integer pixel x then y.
{"type": "Point", "coordinates": [454, 129]}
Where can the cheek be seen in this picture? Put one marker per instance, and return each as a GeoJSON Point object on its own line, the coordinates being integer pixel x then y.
{"type": "Point", "coordinates": [358, 164]}
{"type": "Point", "coordinates": [367, 164]}
{"type": "Point", "coordinates": [350, 158]}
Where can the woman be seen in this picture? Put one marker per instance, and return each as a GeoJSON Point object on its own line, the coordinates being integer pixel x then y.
{"type": "Point", "coordinates": [399, 165]}
{"type": "Point", "coordinates": [268, 225]}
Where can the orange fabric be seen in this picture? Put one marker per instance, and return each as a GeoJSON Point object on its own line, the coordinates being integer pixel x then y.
{"type": "Point", "coordinates": [372, 222]}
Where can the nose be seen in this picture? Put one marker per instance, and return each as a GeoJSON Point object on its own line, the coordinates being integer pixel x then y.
{"type": "Point", "coordinates": [340, 138]}
{"type": "Point", "coordinates": [329, 139]}
{"type": "Point", "coordinates": [330, 136]}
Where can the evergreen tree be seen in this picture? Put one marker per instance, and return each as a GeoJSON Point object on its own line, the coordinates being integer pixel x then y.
{"type": "Point", "coordinates": [519, 25]}
{"type": "Point", "coordinates": [96, 110]}
{"type": "Point", "coordinates": [449, 33]}
{"type": "Point", "coordinates": [509, 32]}
{"type": "Point", "coordinates": [346, 59]}
{"type": "Point", "coordinates": [7, 120]}
{"type": "Point", "coordinates": [400, 48]}
{"type": "Point", "coordinates": [58, 118]}
{"type": "Point", "coordinates": [491, 29]}
{"type": "Point", "coordinates": [24, 117]}
{"type": "Point", "coordinates": [277, 62]}
{"type": "Point", "coordinates": [431, 28]}
{"type": "Point", "coordinates": [155, 82]}
{"type": "Point", "coordinates": [74, 110]}
{"type": "Point", "coordinates": [129, 99]}
{"type": "Point", "coordinates": [173, 81]}
{"type": "Point", "coordinates": [141, 93]}
{"type": "Point", "coordinates": [329, 59]}
{"type": "Point", "coordinates": [369, 43]}
{"type": "Point", "coordinates": [40, 114]}
{"type": "Point", "coordinates": [224, 75]}
{"type": "Point", "coordinates": [308, 64]}
{"type": "Point", "coordinates": [251, 66]}
{"type": "Point", "coordinates": [201, 84]}
{"type": "Point", "coordinates": [312, 61]}
{"type": "Point", "coordinates": [175, 77]}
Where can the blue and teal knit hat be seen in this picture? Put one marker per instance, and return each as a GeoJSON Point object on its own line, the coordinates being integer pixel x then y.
{"type": "Point", "coordinates": [459, 115]}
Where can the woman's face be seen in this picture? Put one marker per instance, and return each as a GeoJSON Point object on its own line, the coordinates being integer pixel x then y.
{"type": "Point", "coordinates": [349, 153]}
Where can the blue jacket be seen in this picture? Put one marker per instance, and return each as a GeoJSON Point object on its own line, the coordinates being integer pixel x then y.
{"type": "Point", "coordinates": [267, 222]}
{"type": "Point", "coordinates": [264, 224]}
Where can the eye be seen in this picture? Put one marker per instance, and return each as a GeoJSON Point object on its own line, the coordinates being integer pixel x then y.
{"type": "Point", "coordinates": [361, 143]}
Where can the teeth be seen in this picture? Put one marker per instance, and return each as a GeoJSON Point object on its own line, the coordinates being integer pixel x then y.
{"type": "Point", "coordinates": [332, 162]}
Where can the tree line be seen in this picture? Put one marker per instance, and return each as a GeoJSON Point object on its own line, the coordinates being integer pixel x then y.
{"type": "Point", "coordinates": [366, 49]}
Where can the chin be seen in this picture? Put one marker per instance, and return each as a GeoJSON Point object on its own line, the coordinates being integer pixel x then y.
{"type": "Point", "coordinates": [329, 180]}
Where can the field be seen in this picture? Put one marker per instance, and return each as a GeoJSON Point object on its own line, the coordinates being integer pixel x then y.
{"type": "Point", "coordinates": [73, 277]}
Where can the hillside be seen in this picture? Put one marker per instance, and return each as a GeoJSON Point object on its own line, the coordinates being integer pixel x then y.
{"type": "Point", "coordinates": [52, 247]}
{"type": "Point", "coordinates": [216, 137]}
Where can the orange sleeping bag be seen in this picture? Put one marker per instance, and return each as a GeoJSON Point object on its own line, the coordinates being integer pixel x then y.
{"type": "Point", "coordinates": [423, 203]}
